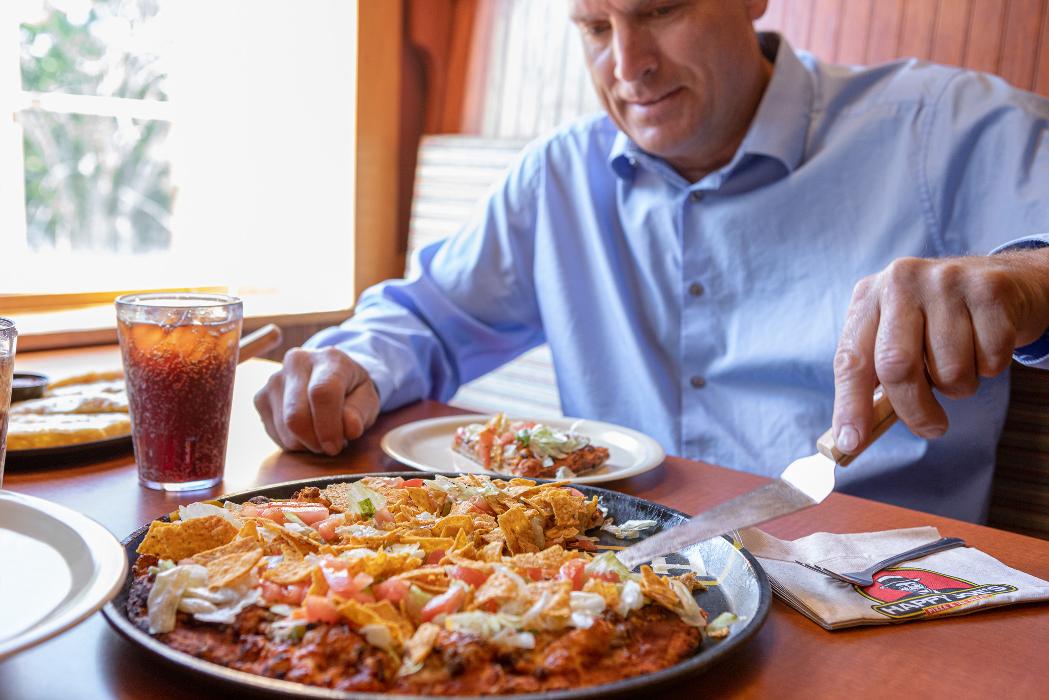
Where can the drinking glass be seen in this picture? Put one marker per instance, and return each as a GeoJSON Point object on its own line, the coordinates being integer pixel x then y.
{"type": "Point", "coordinates": [180, 356]}
{"type": "Point", "coordinates": [8, 338]}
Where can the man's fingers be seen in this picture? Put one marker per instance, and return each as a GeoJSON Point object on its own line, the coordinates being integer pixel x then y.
{"type": "Point", "coordinates": [899, 360]}
{"type": "Point", "coordinates": [327, 391]}
{"type": "Point", "coordinates": [950, 356]}
{"type": "Point", "coordinates": [854, 370]}
{"type": "Point", "coordinates": [360, 409]}
{"type": "Point", "coordinates": [268, 403]}
{"type": "Point", "coordinates": [994, 328]}
{"type": "Point", "coordinates": [296, 419]}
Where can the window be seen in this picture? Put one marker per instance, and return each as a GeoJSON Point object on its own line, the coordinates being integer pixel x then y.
{"type": "Point", "coordinates": [178, 143]}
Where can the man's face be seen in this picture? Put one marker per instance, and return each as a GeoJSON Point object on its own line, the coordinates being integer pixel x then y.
{"type": "Point", "coordinates": [682, 78]}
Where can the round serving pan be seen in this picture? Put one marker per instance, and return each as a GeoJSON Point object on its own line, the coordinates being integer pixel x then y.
{"type": "Point", "coordinates": [742, 588]}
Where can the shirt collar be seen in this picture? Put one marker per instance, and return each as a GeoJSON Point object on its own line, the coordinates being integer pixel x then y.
{"type": "Point", "coordinates": [779, 128]}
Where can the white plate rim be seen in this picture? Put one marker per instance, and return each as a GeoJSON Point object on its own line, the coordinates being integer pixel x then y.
{"type": "Point", "coordinates": [654, 454]}
{"type": "Point", "coordinates": [108, 573]}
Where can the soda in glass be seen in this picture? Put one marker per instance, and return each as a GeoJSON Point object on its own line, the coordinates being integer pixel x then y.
{"type": "Point", "coordinates": [180, 356]}
{"type": "Point", "coordinates": [8, 338]}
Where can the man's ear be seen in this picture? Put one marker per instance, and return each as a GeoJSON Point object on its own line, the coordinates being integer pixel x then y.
{"type": "Point", "coordinates": [756, 8]}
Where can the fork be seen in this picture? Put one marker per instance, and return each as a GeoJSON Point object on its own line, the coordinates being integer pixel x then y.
{"type": "Point", "coordinates": [865, 577]}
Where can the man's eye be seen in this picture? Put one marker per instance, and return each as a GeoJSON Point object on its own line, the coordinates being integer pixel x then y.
{"type": "Point", "coordinates": [663, 11]}
{"type": "Point", "coordinates": [595, 28]}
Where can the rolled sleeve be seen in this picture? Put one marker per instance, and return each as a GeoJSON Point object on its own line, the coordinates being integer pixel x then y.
{"type": "Point", "coordinates": [1035, 354]}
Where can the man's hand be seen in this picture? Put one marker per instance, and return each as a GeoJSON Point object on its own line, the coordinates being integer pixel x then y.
{"type": "Point", "coordinates": [924, 324]}
{"type": "Point", "coordinates": [317, 401]}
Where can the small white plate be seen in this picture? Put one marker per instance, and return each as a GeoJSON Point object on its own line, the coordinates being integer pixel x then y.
{"type": "Point", "coordinates": [58, 568]}
{"type": "Point", "coordinates": [427, 445]}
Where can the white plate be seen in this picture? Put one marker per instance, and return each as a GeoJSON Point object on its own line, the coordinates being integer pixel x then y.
{"type": "Point", "coordinates": [68, 566]}
{"type": "Point", "coordinates": [427, 445]}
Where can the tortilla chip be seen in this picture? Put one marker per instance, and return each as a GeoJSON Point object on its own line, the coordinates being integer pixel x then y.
{"type": "Point", "coordinates": [359, 614]}
{"type": "Point", "coordinates": [429, 544]}
{"type": "Point", "coordinates": [500, 588]}
{"type": "Point", "coordinates": [239, 545]}
{"type": "Point", "coordinates": [181, 540]}
{"type": "Point", "coordinates": [289, 571]}
{"type": "Point", "coordinates": [318, 584]}
{"type": "Point", "coordinates": [302, 544]}
{"type": "Point", "coordinates": [421, 498]}
{"type": "Point", "coordinates": [451, 525]}
{"type": "Point", "coordinates": [658, 589]}
{"type": "Point", "coordinates": [549, 558]}
{"type": "Point", "coordinates": [493, 551]}
{"type": "Point", "coordinates": [518, 531]}
{"type": "Point", "coordinates": [606, 589]}
{"type": "Point", "coordinates": [224, 570]}
{"type": "Point", "coordinates": [419, 646]}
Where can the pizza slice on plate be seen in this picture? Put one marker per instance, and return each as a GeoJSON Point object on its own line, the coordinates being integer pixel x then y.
{"type": "Point", "coordinates": [527, 448]}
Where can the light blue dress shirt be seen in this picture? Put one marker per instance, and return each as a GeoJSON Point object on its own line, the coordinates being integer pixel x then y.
{"type": "Point", "coordinates": [706, 314]}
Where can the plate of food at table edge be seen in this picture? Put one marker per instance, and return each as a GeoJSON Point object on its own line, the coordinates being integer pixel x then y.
{"type": "Point", "coordinates": [567, 449]}
{"type": "Point", "coordinates": [400, 584]}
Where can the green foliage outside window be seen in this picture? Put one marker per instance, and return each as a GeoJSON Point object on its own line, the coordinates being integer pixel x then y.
{"type": "Point", "coordinates": [95, 183]}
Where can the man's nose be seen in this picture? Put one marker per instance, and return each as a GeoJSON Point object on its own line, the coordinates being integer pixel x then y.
{"type": "Point", "coordinates": [634, 53]}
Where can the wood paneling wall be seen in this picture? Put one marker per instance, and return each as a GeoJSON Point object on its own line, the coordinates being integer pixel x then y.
{"type": "Point", "coordinates": [1006, 37]}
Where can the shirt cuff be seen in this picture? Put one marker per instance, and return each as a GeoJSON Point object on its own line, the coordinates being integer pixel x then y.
{"type": "Point", "coordinates": [1035, 354]}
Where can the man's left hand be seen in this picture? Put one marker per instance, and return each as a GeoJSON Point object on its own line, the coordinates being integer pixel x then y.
{"type": "Point", "coordinates": [924, 324]}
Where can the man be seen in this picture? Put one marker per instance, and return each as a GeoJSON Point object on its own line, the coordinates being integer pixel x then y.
{"type": "Point", "coordinates": [690, 257]}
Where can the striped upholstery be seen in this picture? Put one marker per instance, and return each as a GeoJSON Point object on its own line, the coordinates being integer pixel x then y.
{"type": "Point", "coordinates": [452, 175]}
{"type": "Point", "coordinates": [1020, 501]}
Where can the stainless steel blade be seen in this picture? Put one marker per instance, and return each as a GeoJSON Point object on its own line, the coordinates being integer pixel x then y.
{"type": "Point", "coordinates": [806, 482]}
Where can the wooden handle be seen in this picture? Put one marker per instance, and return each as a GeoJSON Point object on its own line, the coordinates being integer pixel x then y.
{"type": "Point", "coordinates": [261, 341]}
{"type": "Point", "coordinates": [884, 417]}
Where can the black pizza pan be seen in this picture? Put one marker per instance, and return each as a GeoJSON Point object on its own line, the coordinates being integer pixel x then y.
{"type": "Point", "coordinates": [739, 585]}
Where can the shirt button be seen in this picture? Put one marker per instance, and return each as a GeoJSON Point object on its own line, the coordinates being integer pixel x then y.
{"type": "Point", "coordinates": [697, 382]}
{"type": "Point", "coordinates": [697, 196]}
{"type": "Point", "coordinates": [695, 289]}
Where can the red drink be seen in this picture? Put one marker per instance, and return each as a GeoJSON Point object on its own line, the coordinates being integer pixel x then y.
{"type": "Point", "coordinates": [180, 387]}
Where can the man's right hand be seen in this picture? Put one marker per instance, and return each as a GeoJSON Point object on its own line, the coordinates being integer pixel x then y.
{"type": "Point", "coordinates": [318, 401]}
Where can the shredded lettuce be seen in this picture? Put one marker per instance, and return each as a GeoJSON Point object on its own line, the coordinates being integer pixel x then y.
{"type": "Point", "coordinates": [690, 613]}
{"type": "Point", "coordinates": [200, 510]}
{"type": "Point", "coordinates": [363, 500]}
{"type": "Point", "coordinates": [168, 588]}
{"type": "Point", "coordinates": [630, 530]}
{"type": "Point", "coordinates": [367, 509]}
{"type": "Point", "coordinates": [608, 562]}
{"type": "Point", "coordinates": [630, 598]}
{"type": "Point", "coordinates": [585, 608]}
{"type": "Point", "coordinates": [719, 626]}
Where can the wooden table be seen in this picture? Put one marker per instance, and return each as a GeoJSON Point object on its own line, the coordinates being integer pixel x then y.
{"type": "Point", "coordinates": [1000, 653]}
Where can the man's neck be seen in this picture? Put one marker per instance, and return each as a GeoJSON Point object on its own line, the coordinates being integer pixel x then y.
{"type": "Point", "coordinates": [696, 171]}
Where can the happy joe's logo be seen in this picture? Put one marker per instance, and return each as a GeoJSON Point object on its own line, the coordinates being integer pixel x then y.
{"type": "Point", "coordinates": [907, 593]}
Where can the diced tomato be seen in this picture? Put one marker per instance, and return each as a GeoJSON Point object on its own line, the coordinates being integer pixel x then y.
{"type": "Point", "coordinates": [249, 510]}
{"type": "Point", "coordinates": [308, 513]}
{"type": "Point", "coordinates": [504, 439]}
{"type": "Point", "coordinates": [468, 574]}
{"type": "Point", "coordinates": [326, 527]}
{"type": "Point", "coordinates": [480, 505]}
{"type": "Point", "coordinates": [392, 589]}
{"type": "Point", "coordinates": [362, 596]}
{"type": "Point", "coordinates": [537, 574]}
{"type": "Point", "coordinates": [610, 576]}
{"type": "Point", "coordinates": [290, 594]}
{"type": "Point", "coordinates": [572, 570]}
{"type": "Point", "coordinates": [484, 446]}
{"type": "Point", "coordinates": [340, 582]}
{"type": "Point", "coordinates": [444, 604]}
{"type": "Point", "coordinates": [320, 609]}
{"type": "Point", "coordinates": [435, 556]}
{"type": "Point", "coordinates": [383, 516]}
{"type": "Point", "coordinates": [410, 482]}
